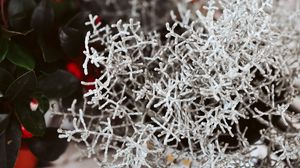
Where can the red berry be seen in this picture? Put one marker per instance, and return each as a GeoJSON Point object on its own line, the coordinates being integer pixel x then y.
{"type": "Point", "coordinates": [25, 157]}
{"type": "Point", "coordinates": [75, 70]}
{"type": "Point", "coordinates": [25, 134]}
{"type": "Point", "coordinates": [34, 104]}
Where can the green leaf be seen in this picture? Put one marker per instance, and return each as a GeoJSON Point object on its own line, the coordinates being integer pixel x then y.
{"type": "Point", "coordinates": [19, 57]}
{"type": "Point", "coordinates": [19, 14]}
{"type": "Point", "coordinates": [71, 35]}
{"type": "Point", "coordinates": [42, 17]}
{"type": "Point", "coordinates": [59, 84]}
{"type": "Point", "coordinates": [5, 114]}
{"type": "Point", "coordinates": [10, 142]}
{"type": "Point", "coordinates": [33, 121]}
{"type": "Point", "coordinates": [5, 79]}
{"type": "Point", "coordinates": [52, 146]}
{"type": "Point", "coordinates": [22, 87]}
{"type": "Point", "coordinates": [4, 44]}
{"type": "Point", "coordinates": [64, 9]}
{"type": "Point", "coordinates": [50, 53]}
{"type": "Point", "coordinates": [4, 120]}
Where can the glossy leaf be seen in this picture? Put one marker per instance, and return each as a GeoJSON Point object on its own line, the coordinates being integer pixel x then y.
{"type": "Point", "coordinates": [22, 87]}
{"type": "Point", "coordinates": [5, 114]}
{"type": "Point", "coordinates": [20, 57]}
{"type": "Point", "coordinates": [10, 142]}
{"type": "Point", "coordinates": [42, 17]}
{"type": "Point", "coordinates": [33, 121]}
{"type": "Point", "coordinates": [4, 44]}
{"type": "Point", "coordinates": [19, 14]}
{"type": "Point", "coordinates": [50, 52]}
{"type": "Point", "coordinates": [5, 79]}
{"type": "Point", "coordinates": [59, 84]}
{"type": "Point", "coordinates": [52, 146]}
{"type": "Point", "coordinates": [4, 120]}
{"type": "Point", "coordinates": [64, 9]}
{"type": "Point", "coordinates": [8, 66]}
{"type": "Point", "coordinates": [71, 35]}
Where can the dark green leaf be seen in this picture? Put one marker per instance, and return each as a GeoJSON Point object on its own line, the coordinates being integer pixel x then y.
{"type": "Point", "coordinates": [4, 120]}
{"type": "Point", "coordinates": [72, 34]}
{"type": "Point", "coordinates": [19, 14]}
{"type": "Point", "coordinates": [5, 114]}
{"type": "Point", "coordinates": [64, 9]}
{"type": "Point", "coordinates": [8, 66]}
{"type": "Point", "coordinates": [3, 153]}
{"type": "Point", "coordinates": [20, 57]}
{"type": "Point", "coordinates": [50, 53]}
{"type": "Point", "coordinates": [22, 87]}
{"type": "Point", "coordinates": [10, 142]}
{"type": "Point", "coordinates": [59, 84]}
{"type": "Point", "coordinates": [42, 17]}
{"type": "Point", "coordinates": [5, 79]}
{"type": "Point", "coordinates": [33, 121]}
{"type": "Point", "coordinates": [52, 146]}
{"type": "Point", "coordinates": [3, 48]}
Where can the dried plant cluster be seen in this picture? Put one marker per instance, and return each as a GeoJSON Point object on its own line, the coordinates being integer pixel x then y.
{"type": "Point", "coordinates": [206, 92]}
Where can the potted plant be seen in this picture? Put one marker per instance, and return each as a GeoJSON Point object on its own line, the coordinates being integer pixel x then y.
{"type": "Point", "coordinates": [150, 84]}
{"type": "Point", "coordinates": [37, 65]}
{"type": "Point", "coordinates": [205, 88]}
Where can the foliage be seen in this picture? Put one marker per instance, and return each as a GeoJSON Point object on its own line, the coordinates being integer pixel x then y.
{"type": "Point", "coordinates": [203, 92]}
{"type": "Point", "coordinates": [32, 68]}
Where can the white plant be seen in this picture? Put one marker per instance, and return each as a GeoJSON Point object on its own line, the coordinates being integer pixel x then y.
{"type": "Point", "coordinates": [170, 99]}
